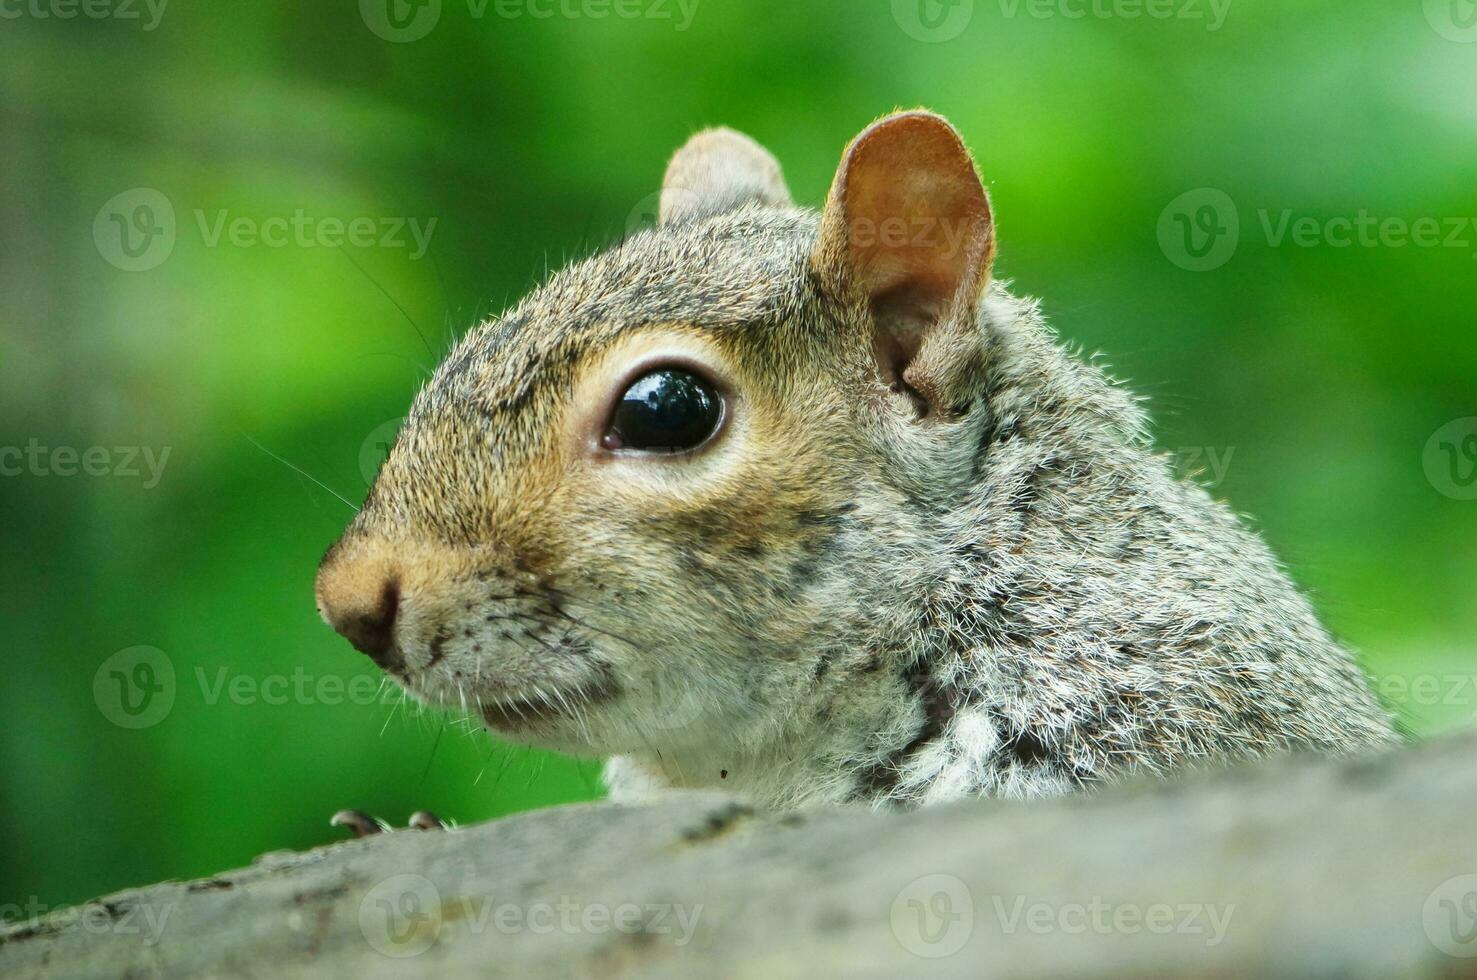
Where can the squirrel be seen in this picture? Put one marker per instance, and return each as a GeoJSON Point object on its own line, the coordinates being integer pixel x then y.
{"type": "Point", "coordinates": [805, 506]}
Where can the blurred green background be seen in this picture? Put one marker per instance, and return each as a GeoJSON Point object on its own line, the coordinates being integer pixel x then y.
{"type": "Point", "coordinates": [1315, 385]}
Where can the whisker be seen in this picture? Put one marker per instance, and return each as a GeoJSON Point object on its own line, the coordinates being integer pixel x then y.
{"type": "Point", "coordinates": [434, 746]}
{"type": "Point", "coordinates": [393, 302]}
{"type": "Point", "coordinates": [301, 472]}
{"type": "Point", "coordinates": [555, 610]}
{"type": "Point", "coordinates": [492, 750]}
{"type": "Point", "coordinates": [391, 716]}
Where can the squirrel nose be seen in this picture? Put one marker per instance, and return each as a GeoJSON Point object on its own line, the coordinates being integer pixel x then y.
{"type": "Point", "coordinates": [371, 629]}
{"type": "Point", "coordinates": [363, 612]}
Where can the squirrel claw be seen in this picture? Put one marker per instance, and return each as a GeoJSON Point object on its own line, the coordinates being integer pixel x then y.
{"type": "Point", "coordinates": [364, 825]}
{"type": "Point", "coordinates": [361, 823]}
{"type": "Point", "coordinates": [426, 820]}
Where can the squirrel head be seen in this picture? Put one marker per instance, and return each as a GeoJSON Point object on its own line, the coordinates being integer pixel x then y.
{"type": "Point", "coordinates": [657, 502]}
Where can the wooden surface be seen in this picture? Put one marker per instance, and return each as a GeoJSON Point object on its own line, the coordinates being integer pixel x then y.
{"type": "Point", "coordinates": [1296, 868]}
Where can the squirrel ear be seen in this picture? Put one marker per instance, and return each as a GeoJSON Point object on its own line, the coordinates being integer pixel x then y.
{"type": "Point", "coordinates": [719, 170]}
{"type": "Point", "coordinates": [907, 230]}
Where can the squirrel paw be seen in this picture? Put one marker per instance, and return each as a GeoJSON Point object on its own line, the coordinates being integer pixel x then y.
{"type": "Point", "coordinates": [364, 825]}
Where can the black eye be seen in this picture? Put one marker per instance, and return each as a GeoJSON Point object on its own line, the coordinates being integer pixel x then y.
{"type": "Point", "coordinates": [667, 411]}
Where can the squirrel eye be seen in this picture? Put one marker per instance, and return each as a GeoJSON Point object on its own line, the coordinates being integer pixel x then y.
{"type": "Point", "coordinates": [665, 411]}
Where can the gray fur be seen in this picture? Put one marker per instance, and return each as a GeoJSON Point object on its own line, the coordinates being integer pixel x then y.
{"type": "Point", "coordinates": [1017, 600]}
